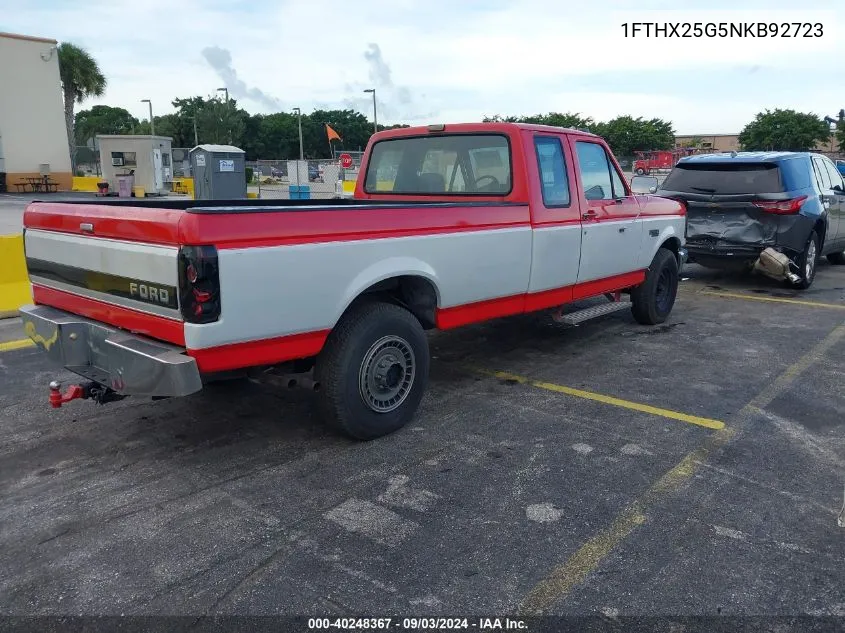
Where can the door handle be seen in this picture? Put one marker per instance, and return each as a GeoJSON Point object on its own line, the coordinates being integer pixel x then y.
{"type": "Point", "coordinates": [589, 215]}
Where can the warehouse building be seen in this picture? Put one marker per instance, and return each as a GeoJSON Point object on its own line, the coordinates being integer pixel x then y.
{"type": "Point", "coordinates": [730, 143]}
{"type": "Point", "coordinates": [33, 136]}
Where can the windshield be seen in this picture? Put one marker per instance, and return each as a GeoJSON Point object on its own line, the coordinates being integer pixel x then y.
{"type": "Point", "coordinates": [724, 178]}
{"type": "Point", "coordinates": [459, 164]}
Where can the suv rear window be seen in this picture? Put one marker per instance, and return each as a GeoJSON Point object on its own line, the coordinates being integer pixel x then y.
{"type": "Point", "coordinates": [457, 164]}
{"type": "Point", "coordinates": [724, 178]}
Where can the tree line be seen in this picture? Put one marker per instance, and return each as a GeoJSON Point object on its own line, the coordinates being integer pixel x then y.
{"type": "Point", "coordinates": [624, 134]}
{"type": "Point", "coordinates": [200, 120]}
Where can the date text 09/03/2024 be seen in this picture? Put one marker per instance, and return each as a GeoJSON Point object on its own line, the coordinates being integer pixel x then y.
{"type": "Point", "coordinates": [418, 624]}
{"type": "Point", "coordinates": [723, 29]}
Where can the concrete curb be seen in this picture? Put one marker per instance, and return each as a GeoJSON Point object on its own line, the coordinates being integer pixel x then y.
{"type": "Point", "coordinates": [15, 290]}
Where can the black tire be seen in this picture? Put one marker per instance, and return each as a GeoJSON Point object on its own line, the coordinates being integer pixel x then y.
{"type": "Point", "coordinates": [652, 300]}
{"type": "Point", "coordinates": [837, 259]}
{"type": "Point", "coordinates": [807, 266]}
{"type": "Point", "coordinates": [640, 171]}
{"type": "Point", "coordinates": [373, 370]}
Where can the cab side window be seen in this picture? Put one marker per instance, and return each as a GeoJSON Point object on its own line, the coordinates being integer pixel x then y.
{"type": "Point", "coordinates": [822, 177]}
{"type": "Point", "coordinates": [618, 187]}
{"type": "Point", "coordinates": [833, 173]}
{"type": "Point", "coordinates": [595, 171]}
{"type": "Point", "coordinates": [552, 165]}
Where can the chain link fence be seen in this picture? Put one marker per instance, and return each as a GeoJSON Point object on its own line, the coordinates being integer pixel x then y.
{"type": "Point", "coordinates": [284, 179]}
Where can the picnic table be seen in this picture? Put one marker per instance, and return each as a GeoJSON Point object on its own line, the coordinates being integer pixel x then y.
{"type": "Point", "coordinates": [37, 184]}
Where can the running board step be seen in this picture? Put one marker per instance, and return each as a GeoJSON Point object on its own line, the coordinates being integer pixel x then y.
{"type": "Point", "coordinates": [579, 316]}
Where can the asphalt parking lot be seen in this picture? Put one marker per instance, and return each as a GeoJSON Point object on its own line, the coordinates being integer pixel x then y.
{"type": "Point", "coordinates": [689, 468]}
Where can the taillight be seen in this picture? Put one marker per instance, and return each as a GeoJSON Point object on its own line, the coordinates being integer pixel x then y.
{"type": "Point", "coordinates": [199, 284]}
{"type": "Point", "coordinates": [781, 207]}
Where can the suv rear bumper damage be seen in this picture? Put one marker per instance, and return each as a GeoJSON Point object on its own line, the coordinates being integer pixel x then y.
{"type": "Point", "coordinates": [739, 237]}
{"type": "Point", "coordinates": [124, 362]}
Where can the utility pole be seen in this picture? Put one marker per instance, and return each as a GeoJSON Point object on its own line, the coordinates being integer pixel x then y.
{"type": "Point", "coordinates": [226, 90]}
{"type": "Point", "coordinates": [196, 137]}
{"type": "Point", "coordinates": [152, 123]}
{"type": "Point", "coordinates": [301, 152]}
{"type": "Point", "coordinates": [375, 114]}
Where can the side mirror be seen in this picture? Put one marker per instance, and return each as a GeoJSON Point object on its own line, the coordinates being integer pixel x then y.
{"type": "Point", "coordinates": [644, 184]}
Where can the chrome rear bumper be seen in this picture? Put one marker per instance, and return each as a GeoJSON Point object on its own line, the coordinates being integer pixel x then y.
{"type": "Point", "coordinates": [127, 363]}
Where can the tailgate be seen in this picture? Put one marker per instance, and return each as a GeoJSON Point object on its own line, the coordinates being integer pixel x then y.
{"type": "Point", "coordinates": [89, 260]}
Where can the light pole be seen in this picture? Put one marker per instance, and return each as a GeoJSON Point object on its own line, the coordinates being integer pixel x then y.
{"type": "Point", "coordinates": [152, 124]}
{"type": "Point", "coordinates": [299, 114]}
{"type": "Point", "coordinates": [226, 90]}
{"type": "Point", "coordinates": [375, 115]}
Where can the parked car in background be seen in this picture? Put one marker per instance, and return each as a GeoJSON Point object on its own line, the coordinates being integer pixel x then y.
{"type": "Point", "coordinates": [776, 212]}
{"type": "Point", "coordinates": [840, 165]}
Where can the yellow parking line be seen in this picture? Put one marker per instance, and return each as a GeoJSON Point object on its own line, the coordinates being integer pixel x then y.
{"type": "Point", "coordinates": [736, 295]}
{"type": "Point", "coordinates": [561, 580]}
{"type": "Point", "coordinates": [617, 402]}
{"type": "Point", "coordinates": [8, 346]}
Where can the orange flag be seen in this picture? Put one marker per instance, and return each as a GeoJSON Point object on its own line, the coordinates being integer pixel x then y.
{"type": "Point", "coordinates": [332, 134]}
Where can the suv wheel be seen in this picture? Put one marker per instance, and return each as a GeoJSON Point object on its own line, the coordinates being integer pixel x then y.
{"type": "Point", "coordinates": [807, 262]}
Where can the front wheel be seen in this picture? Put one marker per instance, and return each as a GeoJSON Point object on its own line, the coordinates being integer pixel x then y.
{"type": "Point", "coordinates": [652, 300]}
{"type": "Point", "coordinates": [373, 370]}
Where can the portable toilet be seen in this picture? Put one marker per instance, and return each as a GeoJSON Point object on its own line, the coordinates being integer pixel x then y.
{"type": "Point", "coordinates": [219, 172]}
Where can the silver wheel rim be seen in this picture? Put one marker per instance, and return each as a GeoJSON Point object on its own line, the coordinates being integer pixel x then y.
{"type": "Point", "coordinates": [387, 373]}
{"type": "Point", "coordinates": [810, 264]}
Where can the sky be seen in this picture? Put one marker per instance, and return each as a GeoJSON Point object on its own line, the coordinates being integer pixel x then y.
{"type": "Point", "coordinates": [453, 60]}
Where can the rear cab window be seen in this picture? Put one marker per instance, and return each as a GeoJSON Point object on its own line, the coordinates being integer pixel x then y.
{"type": "Point", "coordinates": [554, 183]}
{"type": "Point", "coordinates": [732, 178]}
{"type": "Point", "coordinates": [441, 164]}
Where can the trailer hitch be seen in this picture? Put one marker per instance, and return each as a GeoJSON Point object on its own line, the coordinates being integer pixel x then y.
{"type": "Point", "coordinates": [95, 391]}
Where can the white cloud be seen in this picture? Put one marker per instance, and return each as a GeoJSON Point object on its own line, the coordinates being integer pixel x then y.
{"type": "Point", "coordinates": [443, 60]}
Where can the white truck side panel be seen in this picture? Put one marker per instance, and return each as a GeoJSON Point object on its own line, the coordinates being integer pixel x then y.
{"type": "Point", "coordinates": [555, 257]}
{"type": "Point", "coordinates": [277, 291]}
{"type": "Point", "coordinates": [609, 248]}
{"type": "Point", "coordinates": [667, 226]}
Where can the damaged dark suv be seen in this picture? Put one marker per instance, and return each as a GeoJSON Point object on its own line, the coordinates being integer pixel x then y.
{"type": "Point", "coordinates": [774, 212]}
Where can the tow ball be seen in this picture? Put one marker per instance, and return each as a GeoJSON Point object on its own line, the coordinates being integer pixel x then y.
{"type": "Point", "coordinates": [92, 390]}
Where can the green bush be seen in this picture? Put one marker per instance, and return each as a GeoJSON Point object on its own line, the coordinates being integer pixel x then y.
{"type": "Point", "coordinates": [248, 171]}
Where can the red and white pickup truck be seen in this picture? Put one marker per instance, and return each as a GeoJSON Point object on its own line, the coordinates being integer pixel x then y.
{"type": "Point", "coordinates": [450, 225]}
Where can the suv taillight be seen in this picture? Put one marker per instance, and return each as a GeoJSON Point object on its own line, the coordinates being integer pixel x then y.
{"type": "Point", "coordinates": [781, 207]}
{"type": "Point", "coordinates": [199, 284]}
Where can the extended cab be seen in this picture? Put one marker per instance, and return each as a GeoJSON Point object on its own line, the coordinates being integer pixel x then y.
{"type": "Point", "coordinates": [450, 225]}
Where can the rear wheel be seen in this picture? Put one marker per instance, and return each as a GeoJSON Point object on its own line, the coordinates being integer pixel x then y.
{"type": "Point", "coordinates": [373, 370]}
{"type": "Point", "coordinates": [640, 171]}
{"type": "Point", "coordinates": [807, 262]}
{"type": "Point", "coordinates": [653, 299]}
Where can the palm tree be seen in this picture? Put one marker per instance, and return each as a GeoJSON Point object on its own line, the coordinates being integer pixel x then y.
{"type": "Point", "coordinates": [81, 78]}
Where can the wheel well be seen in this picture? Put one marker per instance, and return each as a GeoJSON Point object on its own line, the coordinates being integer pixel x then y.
{"type": "Point", "coordinates": [413, 292]}
{"type": "Point", "coordinates": [673, 244]}
{"type": "Point", "coordinates": [820, 228]}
